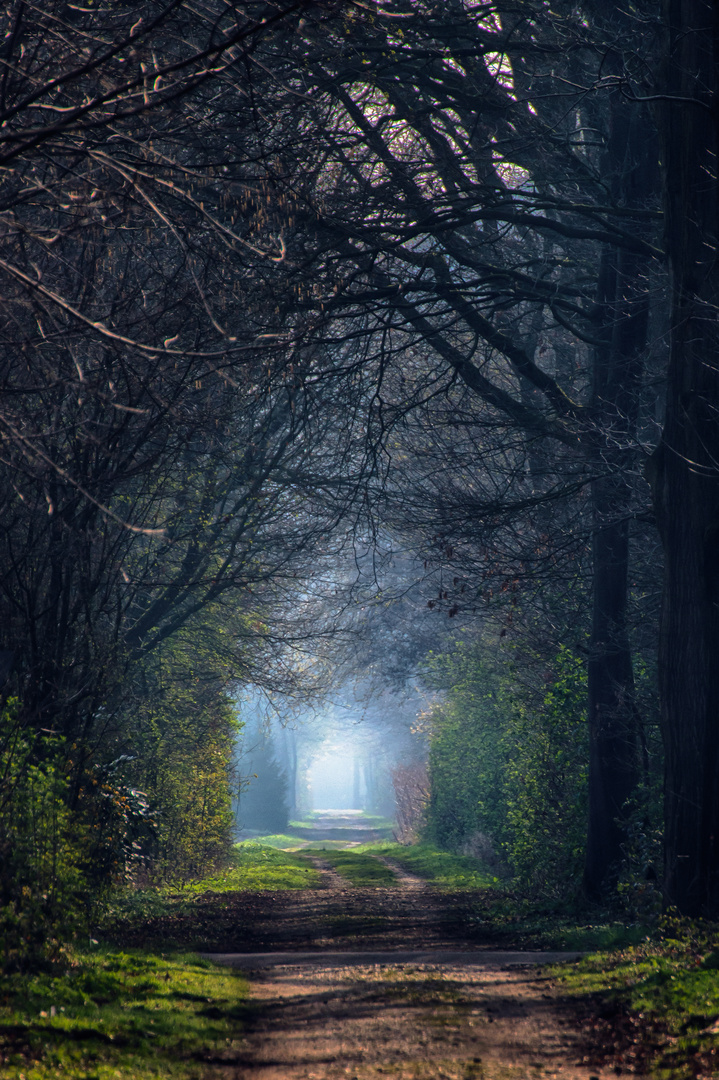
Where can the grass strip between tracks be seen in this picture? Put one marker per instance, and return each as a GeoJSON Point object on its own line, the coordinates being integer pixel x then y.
{"type": "Point", "coordinates": [359, 868]}
{"type": "Point", "coordinates": [440, 868]}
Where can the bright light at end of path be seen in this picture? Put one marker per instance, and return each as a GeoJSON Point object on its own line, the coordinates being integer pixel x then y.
{"type": "Point", "coordinates": [337, 781]}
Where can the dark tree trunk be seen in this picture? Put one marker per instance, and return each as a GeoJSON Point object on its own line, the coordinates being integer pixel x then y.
{"type": "Point", "coordinates": [614, 759]}
{"type": "Point", "coordinates": [623, 300]}
{"type": "Point", "coordinates": [685, 468]}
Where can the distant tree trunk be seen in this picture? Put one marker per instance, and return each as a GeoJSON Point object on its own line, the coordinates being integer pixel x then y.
{"type": "Point", "coordinates": [623, 302]}
{"type": "Point", "coordinates": [370, 779]}
{"type": "Point", "coordinates": [685, 468]}
{"type": "Point", "coordinates": [288, 743]}
{"type": "Point", "coordinates": [356, 785]}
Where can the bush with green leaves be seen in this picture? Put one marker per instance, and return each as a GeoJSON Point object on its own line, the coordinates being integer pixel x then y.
{"type": "Point", "coordinates": [466, 757]}
{"type": "Point", "coordinates": [180, 740]}
{"type": "Point", "coordinates": [546, 753]}
{"type": "Point", "coordinates": [43, 889]}
{"type": "Point", "coordinates": [150, 802]}
{"type": "Point", "coordinates": [508, 767]}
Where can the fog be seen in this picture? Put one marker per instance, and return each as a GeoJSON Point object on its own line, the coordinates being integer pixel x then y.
{"type": "Point", "coordinates": [340, 757]}
{"type": "Point", "coordinates": [336, 781]}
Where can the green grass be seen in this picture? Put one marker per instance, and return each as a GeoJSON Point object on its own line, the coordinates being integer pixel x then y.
{"type": "Point", "coordinates": [285, 842]}
{"type": "Point", "coordinates": [668, 991]}
{"type": "Point", "coordinates": [132, 1016]}
{"type": "Point", "coordinates": [260, 866]}
{"type": "Point", "coordinates": [359, 868]}
{"type": "Point", "coordinates": [438, 867]}
{"type": "Point", "coordinates": [253, 867]}
{"type": "Point", "coordinates": [281, 841]}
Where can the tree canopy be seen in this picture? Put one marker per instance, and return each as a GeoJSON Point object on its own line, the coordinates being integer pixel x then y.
{"type": "Point", "coordinates": [283, 281]}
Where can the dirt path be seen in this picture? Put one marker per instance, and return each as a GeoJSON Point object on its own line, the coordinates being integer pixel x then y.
{"type": "Point", "coordinates": [409, 1022]}
{"type": "Point", "coordinates": [335, 915]}
{"type": "Point", "coordinates": [356, 1006]}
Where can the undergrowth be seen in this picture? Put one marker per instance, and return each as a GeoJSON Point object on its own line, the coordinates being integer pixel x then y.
{"type": "Point", "coordinates": [253, 867]}
{"type": "Point", "coordinates": [126, 1015]}
{"type": "Point", "coordinates": [666, 989]}
{"type": "Point", "coordinates": [537, 924]}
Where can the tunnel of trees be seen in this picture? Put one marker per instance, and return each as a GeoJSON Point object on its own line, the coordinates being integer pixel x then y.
{"type": "Point", "coordinates": [290, 286]}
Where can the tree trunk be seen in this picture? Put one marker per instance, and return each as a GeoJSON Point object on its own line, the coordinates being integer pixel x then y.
{"type": "Point", "coordinates": [356, 784]}
{"type": "Point", "coordinates": [685, 468]}
{"type": "Point", "coordinates": [623, 300]}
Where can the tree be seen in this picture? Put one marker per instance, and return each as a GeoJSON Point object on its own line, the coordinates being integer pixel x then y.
{"type": "Point", "coordinates": [160, 426]}
{"type": "Point", "coordinates": [683, 469]}
{"type": "Point", "coordinates": [467, 205]}
{"type": "Point", "coordinates": [152, 393]}
{"type": "Point", "coordinates": [524, 795]}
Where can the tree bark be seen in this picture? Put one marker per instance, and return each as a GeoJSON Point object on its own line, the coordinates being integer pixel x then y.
{"type": "Point", "coordinates": [684, 470]}
{"type": "Point", "coordinates": [623, 300]}
{"type": "Point", "coordinates": [614, 759]}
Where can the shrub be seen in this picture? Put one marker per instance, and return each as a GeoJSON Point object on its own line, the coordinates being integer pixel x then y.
{"type": "Point", "coordinates": [466, 760]}
{"type": "Point", "coordinates": [411, 793]}
{"type": "Point", "coordinates": [546, 782]}
{"type": "Point", "coordinates": [184, 741]}
{"type": "Point", "coordinates": [42, 887]}
{"type": "Point", "coordinates": [508, 768]}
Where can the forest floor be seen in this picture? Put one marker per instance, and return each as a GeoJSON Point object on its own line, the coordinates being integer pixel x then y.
{"type": "Point", "coordinates": [394, 982]}
{"type": "Point", "coordinates": [357, 966]}
{"type": "Point", "coordinates": [375, 972]}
